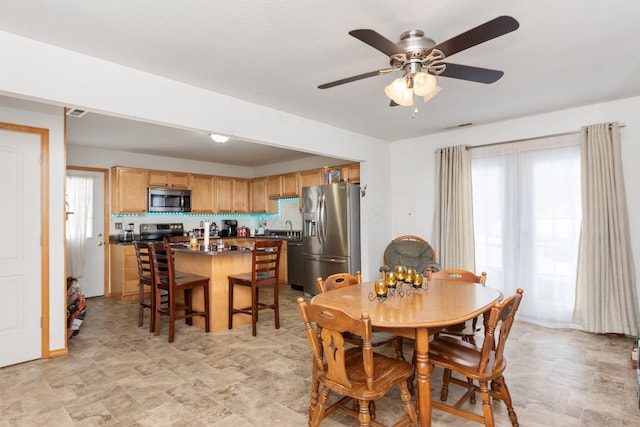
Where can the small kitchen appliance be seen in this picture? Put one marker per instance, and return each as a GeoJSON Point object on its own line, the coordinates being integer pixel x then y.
{"type": "Point", "coordinates": [128, 235]}
{"type": "Point", "coordinates": [229, 228]}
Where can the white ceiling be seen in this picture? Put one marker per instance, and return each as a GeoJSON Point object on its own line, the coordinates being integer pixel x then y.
{"type": "Point", "coordinates": [565, 54]}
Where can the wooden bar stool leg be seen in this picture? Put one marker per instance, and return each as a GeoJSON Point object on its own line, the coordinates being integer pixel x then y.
{"type": "Point", "coordinates": [254, 310]}
{"type": "Point", "coordinates": [230, 322]}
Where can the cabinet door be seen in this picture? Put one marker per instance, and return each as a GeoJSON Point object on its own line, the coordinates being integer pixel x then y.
{"type": "Point", "coordinates": [240, 195]}
{"type": "Point", "coordinates": [224, 194]}
{"type": "Point", "coordinates": [179, 180]}
{"type": "Point", "coordinates": [310, 178]}
{"type": "Point", "coordinates": [169, 179]}
{"type": "Point", "coordinates": [202, 194]}
{"type": "Point", "coordinates": [128, 190]}
{"type": "Point", "coordinates": [158, 179]}
{"type": "Point", "coordinates": [290, 185]}
{"type": "Point", "coordinates": [350, 173]}
{"type": "Point", "coordinates": [258, 190]}
{"type": "Point", "coordinates": [274, 186]}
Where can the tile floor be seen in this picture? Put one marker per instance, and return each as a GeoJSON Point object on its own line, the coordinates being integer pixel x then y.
{"type": "Point", "coordinates": [118, 374]}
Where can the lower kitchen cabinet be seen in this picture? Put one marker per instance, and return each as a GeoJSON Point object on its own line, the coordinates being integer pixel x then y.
{"type": "Point", "coordinates": [124, 272]}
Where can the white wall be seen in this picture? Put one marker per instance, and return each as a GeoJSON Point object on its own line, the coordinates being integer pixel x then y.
{"type": "Point", "coordinates": [52, 118]}
{"type": "Point", "coordinates": [414, 183]}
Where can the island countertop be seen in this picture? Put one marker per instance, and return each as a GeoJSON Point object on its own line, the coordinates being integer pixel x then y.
{"type": "Point", "coordinates": [212, 251]}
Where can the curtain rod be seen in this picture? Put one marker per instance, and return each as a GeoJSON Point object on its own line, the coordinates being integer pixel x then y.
{"type": "Point", "coordinates": [471, 147]}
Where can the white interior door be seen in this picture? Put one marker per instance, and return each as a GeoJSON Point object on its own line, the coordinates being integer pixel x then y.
{"type": "Point", "coordinates": [20, 251]}
{"type": "Point", "coordinates": [92, 281]}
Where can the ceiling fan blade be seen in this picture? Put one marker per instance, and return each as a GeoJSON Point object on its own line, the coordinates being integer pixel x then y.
{"type": "Point", "coordinates": [377, 41]}
{"type": "Point", "coordinates": [358, 77]}
{"type": "Point", "coordinates": [480, 34]}
{"type": "Point", "coordinates": [473, 74]}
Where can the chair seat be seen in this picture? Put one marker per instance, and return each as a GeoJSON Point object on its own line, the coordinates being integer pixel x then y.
{"type": "Point", "coordinates": [246, 277]}
{"type": "Point", "coordinates": [185, 281]}
{"type": "Point", "coordinates": [386, 373]}
{"type": "Point", "coordinates": [461, 356]}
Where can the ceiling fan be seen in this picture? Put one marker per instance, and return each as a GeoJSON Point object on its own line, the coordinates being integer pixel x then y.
{"type": "Point", "coordinates": [421, 59]}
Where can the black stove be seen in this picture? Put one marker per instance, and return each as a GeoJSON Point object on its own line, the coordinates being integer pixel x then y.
{"type": "Point", "coordinates": [157, 232]}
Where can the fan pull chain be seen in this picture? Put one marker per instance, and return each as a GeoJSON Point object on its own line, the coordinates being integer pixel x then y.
{"type": "Point", "coordinates": [414, 110]}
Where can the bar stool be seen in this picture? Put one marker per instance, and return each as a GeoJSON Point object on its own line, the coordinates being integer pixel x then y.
{"type": "Point", "coordinates": [265, 272]}
{"type": "Point", "coordinates": [165, 278]}
{"type": "Point", "coordinates": [145, 283]}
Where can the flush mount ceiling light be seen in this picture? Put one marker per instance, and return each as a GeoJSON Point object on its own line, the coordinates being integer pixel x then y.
{"type": "Point", "coordinates": [220, 139]}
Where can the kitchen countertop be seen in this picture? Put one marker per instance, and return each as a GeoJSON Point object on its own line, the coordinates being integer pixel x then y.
{"type": "Point", "coordinates": [115, 240]}
{"type": "Point", "coordinates": [201, 251]}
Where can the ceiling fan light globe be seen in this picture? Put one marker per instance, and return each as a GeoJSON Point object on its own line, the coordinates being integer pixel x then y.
{"type": "Point", "coordinates": [395, 89]}
{"type": "Point", "coordinates": [423, 83]}
{"type": "Point", "coordinates": [399, 92]}
{"type": "Point", "coordinates": [431, 94]}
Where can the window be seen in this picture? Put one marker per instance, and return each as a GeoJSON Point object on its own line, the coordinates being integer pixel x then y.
{"type": "Point", "coordinates": [527, 215]}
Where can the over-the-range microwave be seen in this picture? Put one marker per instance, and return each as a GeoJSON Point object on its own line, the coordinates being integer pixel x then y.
{"type": "Point", "coordinates": [168, 200]}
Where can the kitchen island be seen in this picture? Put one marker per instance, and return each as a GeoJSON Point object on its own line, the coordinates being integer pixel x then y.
{"type": "Point", "coordinates": [216, 265]}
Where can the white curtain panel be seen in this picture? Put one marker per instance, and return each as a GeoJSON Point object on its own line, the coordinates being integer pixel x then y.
{"type": "Point", "coordinates": [527, 223]}
{"type": "Point", "coordinates": [453, 220]}
{"type": "Point", "coordinates": [606, 297]}
{"type": "Point", "coordinates": [80, 202]}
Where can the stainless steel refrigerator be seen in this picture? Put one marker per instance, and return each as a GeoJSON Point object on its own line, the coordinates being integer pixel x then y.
{"type": "Point", "coordinates": [331, 232]}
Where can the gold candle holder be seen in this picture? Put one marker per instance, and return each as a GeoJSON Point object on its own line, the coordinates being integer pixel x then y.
{"type": "Point", "coordinates": [417, 280]}
{"type": "Point", "coordinates": [401, 272]}
{"type": "Point", "coordinates": [381, 288]}
{"type": "Point", "coordinates": [391, 280]}
{"type": "Point", "coordinates": [411, 272]}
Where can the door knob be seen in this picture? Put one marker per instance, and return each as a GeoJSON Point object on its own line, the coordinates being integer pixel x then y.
{"type": "Point", "coordinates": [100, 243]}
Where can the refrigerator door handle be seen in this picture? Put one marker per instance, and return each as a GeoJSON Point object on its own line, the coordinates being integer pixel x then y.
{"type": "Point", "coordinates": [322, 217]}
{"type": "Point", "coordinates": [325, 259]}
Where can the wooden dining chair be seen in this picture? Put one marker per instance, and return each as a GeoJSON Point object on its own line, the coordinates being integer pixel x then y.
{"type": "Point", "coordinates": [353, 372]}
{"type": "Point", "coordinates": [378, 338]}
{"type": "Point", "coordinates": [484, 365]}
{"type": "Point", "coordinates": [265, 272]}
{"type": "Point", "coordinates": [410, 251]}
{"type": "Point", "coordinates": [165, 278]}
{"type": "Point", "coordinates": [466, 330]}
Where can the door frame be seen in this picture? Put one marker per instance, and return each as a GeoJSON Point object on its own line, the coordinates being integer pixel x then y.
{"type": "Point", "coordinates": [44, 227]}
{"type": "Point", "coordinates": [105, 207]}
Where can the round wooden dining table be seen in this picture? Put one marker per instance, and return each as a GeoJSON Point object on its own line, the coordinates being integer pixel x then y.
{"type": "Point", "coordinates": [416, 314]}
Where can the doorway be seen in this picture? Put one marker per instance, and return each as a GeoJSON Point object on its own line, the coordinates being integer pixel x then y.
{"type": "Point", "coordinates": [94, 280]}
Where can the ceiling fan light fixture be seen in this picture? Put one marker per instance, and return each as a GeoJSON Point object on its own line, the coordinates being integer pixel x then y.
{"type": "Point", "coordinates": [220, 139]}
{"type": "Point", "coordinates": [423, 83]}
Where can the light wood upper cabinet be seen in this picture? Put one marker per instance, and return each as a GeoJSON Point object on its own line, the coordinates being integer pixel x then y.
{"type": "Point", "coordinates": [202, 194]}
{"type": "Point", "coordinates": [231, 195]}
{"type": "Point", "coordinates": [258, 191]}
{"type": "Point", "coordinates": [311, 177]}
{"type": "Point", "coordinates": [169, 179]}
{"type": "Point", "coordinates": [350, 173]}
{"type": "Point", "coordinates": [224, 194]}
{"type": "Point", "coordinates": [241, 195]}
{"type": "Point", "coordinates": [128, 190]}
{"type": "Point", "coordinates": [260, 201]}
{"type": "Point", "coordinates": [282, 186]}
